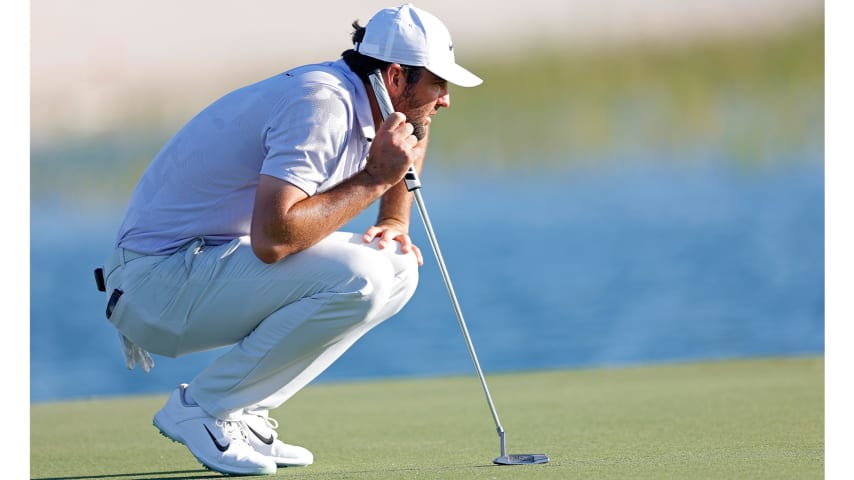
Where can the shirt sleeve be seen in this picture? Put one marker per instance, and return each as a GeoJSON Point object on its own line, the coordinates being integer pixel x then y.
{"type": "Point", "coordinates": [305, 137]}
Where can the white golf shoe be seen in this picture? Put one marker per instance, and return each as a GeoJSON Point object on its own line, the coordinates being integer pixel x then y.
{"type": "Point", "coordinates": [220, 445]}
{"type": "Point", "coordinates": [264, 439]}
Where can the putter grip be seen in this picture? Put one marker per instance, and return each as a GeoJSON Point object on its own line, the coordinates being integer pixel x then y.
{"type": "Point", "coordinates": [411, 178]}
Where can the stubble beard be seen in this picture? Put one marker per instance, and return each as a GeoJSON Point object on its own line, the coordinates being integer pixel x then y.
{"type": "Point", "coordinates": [417, 122]}
{"type": "Point", "coordinates": [418, 130]}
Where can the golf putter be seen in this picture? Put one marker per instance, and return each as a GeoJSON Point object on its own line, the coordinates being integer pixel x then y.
{"type": "Point", "coordinates": [413, 184]}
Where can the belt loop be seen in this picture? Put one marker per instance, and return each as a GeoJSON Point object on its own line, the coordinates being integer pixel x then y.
{"type": "Point", "coordinates": [122, 256]}
{"type": "Point", "coordinates": [193, 249]}
{"type": "Point", "coordinates": [200, 246]}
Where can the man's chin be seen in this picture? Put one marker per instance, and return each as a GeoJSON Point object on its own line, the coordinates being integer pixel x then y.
{"type": "Point", "coordinates": [419, 130]}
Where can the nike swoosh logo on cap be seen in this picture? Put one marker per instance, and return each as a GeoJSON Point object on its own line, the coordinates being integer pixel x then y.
{"type": "Point", "coordinates": [219, 446]}
{"type": "Point", "coordinates": [268, 440]}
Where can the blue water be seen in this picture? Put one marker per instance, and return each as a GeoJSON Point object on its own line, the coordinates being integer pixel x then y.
{"type": "Point", "coordinates": [620, 265]}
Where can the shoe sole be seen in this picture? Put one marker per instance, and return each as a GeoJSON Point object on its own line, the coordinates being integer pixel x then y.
{"type": "Point", "coordinates": [164, 430]}
{"type": "Point", "coordinates": [290, 463]}
{"type": "Point", "coordinates": [293, 461]}
{"type": "Point", "coordinates": [177, 439]}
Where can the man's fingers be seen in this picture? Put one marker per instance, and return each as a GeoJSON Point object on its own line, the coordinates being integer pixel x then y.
{"type": "Point", "coordinates": [393, 121]}
{"type": "Point", "coordinates": [390, 236]}
{"type": "Point", "coordinates": [408, 131]}
{"type": "Point", "coordinates": [402, 238]}
{"type": "Point", "coordinates": [396, 122]}
{"type": "Point", "coordinates": [371, 234]}
{"type": "Point", "coordinates": [397, 126]}
{"type": "Point", "coordinates": [418, 255]}
{"type": "Point", "coordinates": [387, 236]}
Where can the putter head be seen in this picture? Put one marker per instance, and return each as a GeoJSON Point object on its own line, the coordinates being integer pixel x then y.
{"type": "Point", "coordinates": [522, 459]}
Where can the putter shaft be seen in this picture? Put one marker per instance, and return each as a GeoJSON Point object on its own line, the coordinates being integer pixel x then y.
{"type": "Point", "coordinates": [456, 304]}
{"type": "Point", "coordinates": [413, 184]}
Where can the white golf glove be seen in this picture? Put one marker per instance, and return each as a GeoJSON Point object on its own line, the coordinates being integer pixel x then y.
{"type": "Point", "coordinates": [135, 354]}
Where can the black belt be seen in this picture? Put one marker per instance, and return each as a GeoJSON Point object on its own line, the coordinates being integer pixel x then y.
{"type": "Point", "coordinates": [119, 257]}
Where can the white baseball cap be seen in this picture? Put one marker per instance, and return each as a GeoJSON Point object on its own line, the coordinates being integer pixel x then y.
{"type": "Point", "coordinates": [411, 36]}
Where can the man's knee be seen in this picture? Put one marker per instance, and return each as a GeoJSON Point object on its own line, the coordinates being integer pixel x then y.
{"type": "Point", "coordinates": [387, 281]}
{"type": "Point", "coordinates": [406, 280]}
{"type": "Point", "coordinates": [370, 281]}
{"type": "Point", "coordinates": [401, 287]}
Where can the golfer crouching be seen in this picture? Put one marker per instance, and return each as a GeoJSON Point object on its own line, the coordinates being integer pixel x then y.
{"type": "Point", "coordinates": [232, 235]}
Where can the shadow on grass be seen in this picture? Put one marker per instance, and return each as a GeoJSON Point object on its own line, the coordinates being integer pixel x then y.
{"type": "Point", "coordinates": [300, 473]}
{"type": "Point", "coordinates": [384, 472]}
{"type": "Point", "coordinates": [178, 474]}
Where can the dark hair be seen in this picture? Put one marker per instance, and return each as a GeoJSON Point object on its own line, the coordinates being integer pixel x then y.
{"type": "Point", "coordinates": [363, 65]}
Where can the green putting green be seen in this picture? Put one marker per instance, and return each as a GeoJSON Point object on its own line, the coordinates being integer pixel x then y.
{"type": "Point", "coordinates": [759, 418]}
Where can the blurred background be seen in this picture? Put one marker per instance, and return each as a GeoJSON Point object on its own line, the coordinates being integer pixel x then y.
{"type": "Point", "coordinates": [634, 183]}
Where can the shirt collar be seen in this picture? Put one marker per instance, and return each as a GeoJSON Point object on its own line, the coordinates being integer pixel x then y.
{"type": "Point", "coordinates": [361, 104]}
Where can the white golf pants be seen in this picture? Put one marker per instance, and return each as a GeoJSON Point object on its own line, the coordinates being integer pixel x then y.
{"type": "Point", "coordinates": [287, 321]}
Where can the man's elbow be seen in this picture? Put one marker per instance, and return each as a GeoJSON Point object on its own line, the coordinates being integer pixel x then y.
{"type": "Point", "coordinates": [268, 252]}
{"type": "Point", "coordinates": [266, 255]}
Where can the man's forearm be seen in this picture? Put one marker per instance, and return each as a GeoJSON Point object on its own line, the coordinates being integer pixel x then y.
{"type": "Point", "coordinates": [396, 203]}
{"type": "Point", "coordinates": [396, 207]}
{"type": "Point", "coordinates": [281, 228]}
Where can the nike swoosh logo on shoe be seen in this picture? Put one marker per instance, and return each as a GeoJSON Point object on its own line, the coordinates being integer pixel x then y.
{"type": "Point", "coordinates": [220, 447]}
{"type": "Point", "coordinates": [268, 440]}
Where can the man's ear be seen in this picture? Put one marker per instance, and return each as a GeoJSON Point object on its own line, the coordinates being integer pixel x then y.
{"type": "Point", "coordinates": [395, 80]}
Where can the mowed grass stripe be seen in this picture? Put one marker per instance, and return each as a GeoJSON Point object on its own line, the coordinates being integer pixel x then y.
{"type": "Point", "coordinates": [758, 418]}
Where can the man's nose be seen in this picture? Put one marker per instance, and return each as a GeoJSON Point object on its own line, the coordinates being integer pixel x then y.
{"type": "Point", "coordinates": [445, 100]}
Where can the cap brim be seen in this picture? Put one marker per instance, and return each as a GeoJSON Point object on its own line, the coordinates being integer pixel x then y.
{"type": "Point", "coordinates": [455, 74]}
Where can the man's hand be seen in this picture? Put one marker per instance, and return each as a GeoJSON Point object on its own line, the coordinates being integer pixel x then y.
{"type": "Point", "coordinates": [388, 233]}
{"type": "Point", "coordinates": [393, 150]}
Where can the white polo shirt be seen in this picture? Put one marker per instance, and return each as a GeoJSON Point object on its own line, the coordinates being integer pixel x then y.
{"type": "Point", "coordinates": [310, 126]}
